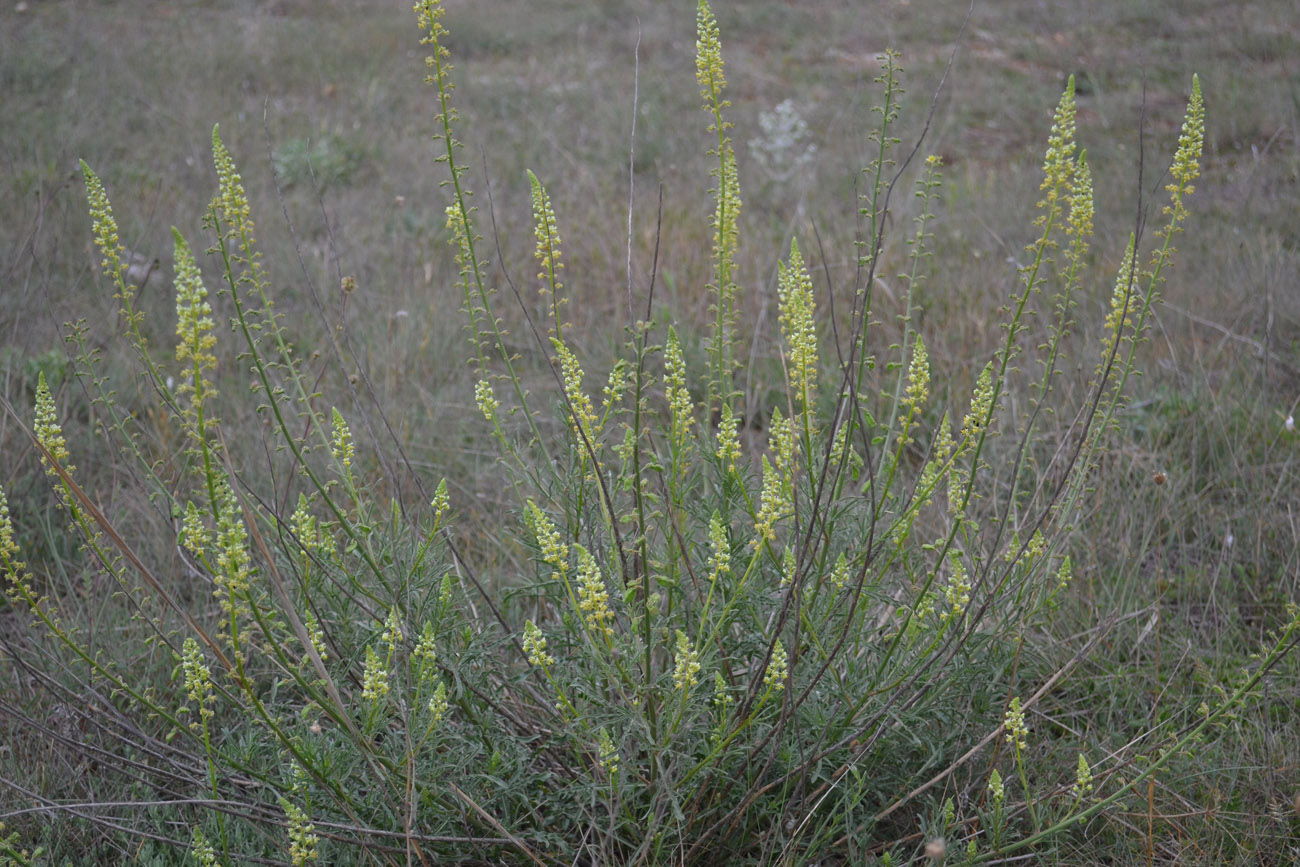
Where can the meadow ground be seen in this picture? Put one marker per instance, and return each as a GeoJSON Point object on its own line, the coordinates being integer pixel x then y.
{"type": "Point", "coordinates": [323, 105]}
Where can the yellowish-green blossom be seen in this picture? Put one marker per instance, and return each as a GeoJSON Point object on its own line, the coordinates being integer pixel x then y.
{"type": "Point", "coordinates": [1017, 729]}
{"type": "Point", "coordinates": [201, 849]}
{"type": "Point", "coordinates": [582, 416]}
{"type": "Point", "coordinates": [686, 663]}
{"type": "Point", "coordinates": [593, 598]}
{"type": "Point", "coordinates": [1124, 302]}
{"type": "Point", "coordinates": [788, 567]}
{"type": "Point", "coordinates": [553, 550]}
{"type": "Point", "coordinates": [341, 441]}
{"type": "Point", "coordinates": [607, 752]}
{"type": "Point", "coordinates": [1082, 208]}
{"type": "Point", "coordinates": [997, 789]}
{"type": "Point", "coordinates": [918, 377]}
{"type": "Point", "coordinates": [232, 201]}
{"type": "Point", "coordinates": [315, 634]}
{"type": "Point", "coordinates": [728, 446]}
{"type": "Point", "coordinates": [234, 565]}
{"type": "Point", "coordinates": [374, 677]}
{"type": "Point", "coordinates": [980, 403]}
{"type": "Point", "coordinates": [486, 400]}
{"type": "Point", "coordinates": [194, 531]}
{"type": "Point", "coordinates": [392, 634]}
{"type": "Point", "coordinates": [440, 504]}
{"type": "Point", "coordinates": [303, 840]}
{"type": "Point", "coordinates": [957, 593]}
{"type": "Point", "coordinates": [193, 329]}
{"type": "Point", "coordinates": [708, 57]}
{"type": "Point", "coordinates": [719, 548]}
{"type": "Point", "coordinates": [796, 314]}
{"type": "Point", "coordinates": [103, 225]}
{"type": "Point", "coordinates": [1187, 159]}
{"type": "Point", "coordinates": [1058, 165]}
{"type": "Point", "coordinates": [535, 646]}
{"type": "Point", "coordinates": [1082, 778]}
{"type": "Point", "coordinates": [425, 653]}
{"type": "Point", "coordinates": [721, 695]}
{"type": "Point", "coordinates": [48, 431]}
{"type": "Point", "coordinates": [438, 704]}
{"type": "Point", "coordinates": [198, 678]}
{"type": "Point", "coordinates": [547, 252]}
{"type": "Point", "coordinates": [777, 668]}
{"type": "Point", "coordinates": [1065, 574]}
{"type": "Point", "coordinates": [679, 396]}
{"type": "Point", "coordinates": [840, 572]}
{"type": "Point", "coordinates": [771, 505]}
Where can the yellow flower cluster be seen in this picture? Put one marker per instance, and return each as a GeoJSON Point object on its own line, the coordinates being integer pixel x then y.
{"type": "Point", "coordinates": [796, 309]}
{"type": "Point", "coordinates": [535, 646]}
{"type": "Point", "coordinates": [686, 664]}
{"type": "Point", "coordinates": [593, 598]}
{"type": "Point", "coordinates": [48, 431]}
{"type": "Point", "coordinates": [1017, 729]}
{"type": "Point", "coordinates": [548, 251]}
{"type": "Point", "coordinates": [198, 679]}
{"type": "Point", "coordinates": [194, 328]}
{"type": "Point", "coordinates": [777, 668]}
{"type": "Point", "coordinates": [303, 840]}
{"type": "Point", "coordinates": [374, 678]}
{"type": "Point", "coordinates": [341, 442]}
{"type": "Point", "coordinates": [708, 57]}
{"type": "Point", "coordinates": [679, 396]}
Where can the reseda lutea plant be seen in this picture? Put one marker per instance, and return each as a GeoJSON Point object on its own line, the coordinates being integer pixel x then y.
{"type": "Point", "coordinates": [712, 654]}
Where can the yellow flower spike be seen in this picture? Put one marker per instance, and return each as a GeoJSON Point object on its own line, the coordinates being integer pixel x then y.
{"type": "Point", "coordinates": [1017, 730]}
{"type": "Point", "coordinates": [957, 593]}
{"type": "Point", "coordinates": [201, 849]}
{"type": "Point", "coordinates": [1186, 166]}
{"type": "Point", "coordinates": [997, 789]}
{"type": "Point", "coordinates": [198, 678]}
{"type": "Point", "coordinates": [194, 329]}
{"type": "Point", "coordinates": [582, 415]}
{"type": "Point", "coordinates": [918, 377]}
{"type": "Point", "coordinates": [48, 431]}
{"type": "Point", "coordinates": [1058, 165]}
{"type": "Point", "coordinates": [234, 566]}
{"type": "Point", "coordinates": [232, 200]}
{"type": "Point", "coordinates": [374, 679]}
{"type": "Point", "coordinates": [1124, 301]}
{"type": "Point", "coordinates": [438, 704]}
{"type": "Point", "coordinates": [728, 445]}
{"type": "Point", "coordinates": [554, 552]}
{"type": "Point", "coordinates": [548, 251]}
{"type": "Point", "coordinates": [679, 396]}
{"type": "Point", "coordinates": [686, 663]}
{"type": "Point", "coordinates": [486, 400]}
{"type": "Point", "coordinates": [771, 505]}
{"type": "Point", "coordinates": [8, 546]}
{"type": "Point", "coordinates": [104, 226]}
{"type": "Point", "coordinates": [1082, 209]}
{"type": "Point", "coordinates": [980, 404]}
{"type": "Point", "coordinates": [341, 441]}
{"type": "Point", "coordinates": [535, 646]}
{"type": "Point", "coordinates": [1082, 778]}
{"type": "Point", "coordinates": [708, 57]}
{"type": "Point", "coordinates": [593, 598]}
{"type": "Point", "coordinates": [777, 668]}
{"type": "Point", "coordinates": [797, 307]}
{"type": "Point", "coordinates": [720, 548]}
{"type": "Point", "coordinates": [303, 840]}
{"type": "Point", "coordinates": [607, 752]}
